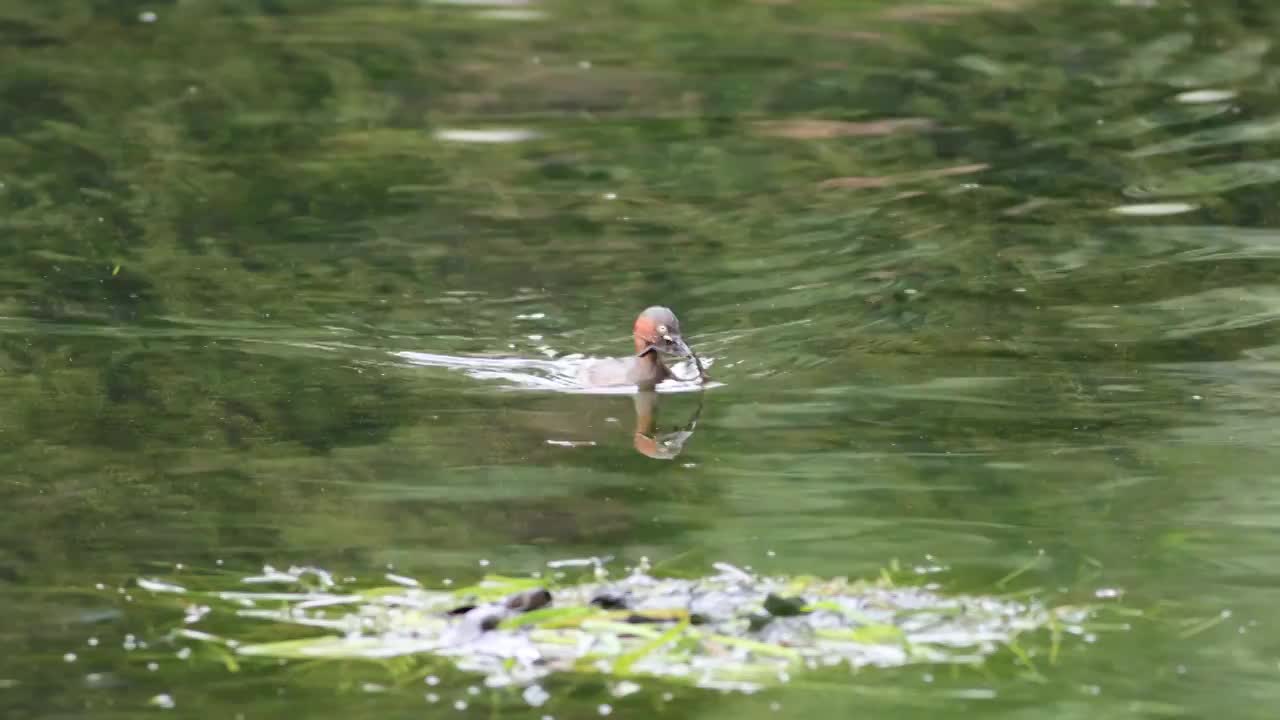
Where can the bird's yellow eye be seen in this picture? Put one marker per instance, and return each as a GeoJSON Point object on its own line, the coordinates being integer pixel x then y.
{"type": "Point", "coordinates": [662, 329]}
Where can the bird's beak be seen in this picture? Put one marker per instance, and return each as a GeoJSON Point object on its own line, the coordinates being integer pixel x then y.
{"type": "Point", "coordinates": [678, 345]}
{"type": "Point", "coordinates": [668, 345]}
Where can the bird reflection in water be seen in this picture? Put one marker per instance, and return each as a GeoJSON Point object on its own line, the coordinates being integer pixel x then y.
{"type": "Point", "coordinates": [648, 440]}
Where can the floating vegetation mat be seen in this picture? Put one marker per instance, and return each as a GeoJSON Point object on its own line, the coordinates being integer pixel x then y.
{"type": "Point", "coordinates": [731, 630]}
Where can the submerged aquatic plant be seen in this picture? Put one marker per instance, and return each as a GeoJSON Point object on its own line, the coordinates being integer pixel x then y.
{"type": "Point", "coordinates": [730, 630]}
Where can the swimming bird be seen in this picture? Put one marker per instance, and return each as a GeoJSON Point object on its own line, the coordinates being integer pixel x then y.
{"type": "Point", "coordinates": [656, 334]}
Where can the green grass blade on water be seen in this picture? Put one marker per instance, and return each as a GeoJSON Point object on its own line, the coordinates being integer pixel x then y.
{"type": "Point", "coordinates": [549, 618]}
{"type": "Point", "coordinates": [760, 648]}
{"type": "Point", "coordinates": [619, 628]}
{"type": "Point", "coordinates": [622, 666]}
{"type": "Point", "coordinates": [1024, 568]}
{"type": "Point", "coordinates": [1197, 627]}
{"type": "Point", "coordinates": [497, 587]}
{"type": "Point", "coordinates": [874, 634]}
{"type": "Point", "coordinates": [348, 648]}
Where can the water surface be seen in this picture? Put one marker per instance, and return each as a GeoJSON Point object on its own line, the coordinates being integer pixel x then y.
{"type": "Point", "coordinates": [983, 282]}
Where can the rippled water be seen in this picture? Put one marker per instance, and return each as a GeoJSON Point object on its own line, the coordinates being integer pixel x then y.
{"type": "Point", "coordinates": [989, 286]}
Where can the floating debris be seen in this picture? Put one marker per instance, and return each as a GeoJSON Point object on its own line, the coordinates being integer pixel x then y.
{"type": "Point", "coordinates": [820, 129]}
{"type": "Point", "coordinates": [572, 443]}
{"type": "Point", "coordinates": [1192, 97]}
{"type": "Point", "coordinates": [159, 587]}
{"type": "Point", "coordinates": [1154, 209]}
{"type": "Point", "coordinates": [732, 631]}
{"type": "Point", "coordinates": [486, 135]}
{"type": "Point", "coordinates": [882, 181]}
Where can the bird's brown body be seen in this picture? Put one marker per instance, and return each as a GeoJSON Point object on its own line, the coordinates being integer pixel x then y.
{"type": "Point", "coordinates": [656, 333]}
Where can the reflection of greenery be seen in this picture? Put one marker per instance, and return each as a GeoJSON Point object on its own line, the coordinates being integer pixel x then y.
{"type": "Point", "coordinates": [156, 183]}
{"type": "Point", "coordinates": [217, 223]}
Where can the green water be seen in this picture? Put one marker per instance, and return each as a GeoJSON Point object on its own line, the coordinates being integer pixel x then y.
{"type": "Point", "coordinates": [982, 282]}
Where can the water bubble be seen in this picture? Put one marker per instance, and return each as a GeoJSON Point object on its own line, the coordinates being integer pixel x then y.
{"type": "Point", "coordinates": [432, 698]}
{"type": "Point", "coordinates": [604, 709]}
{"type": "Point", "coordinates": [460, 705]}
{"type": "Point", "coordinates": [93, 642]}
{"type": "Point", "coordinates": [69, 657]}
{"type": "Point", "coordinates": [147, 16]}
{"type": "Point", "coordinates": [432, 680]}
{"type": "Point", "coordinates": [153, 666]}
{"type": "Point", "coordinates": [473, 690]}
